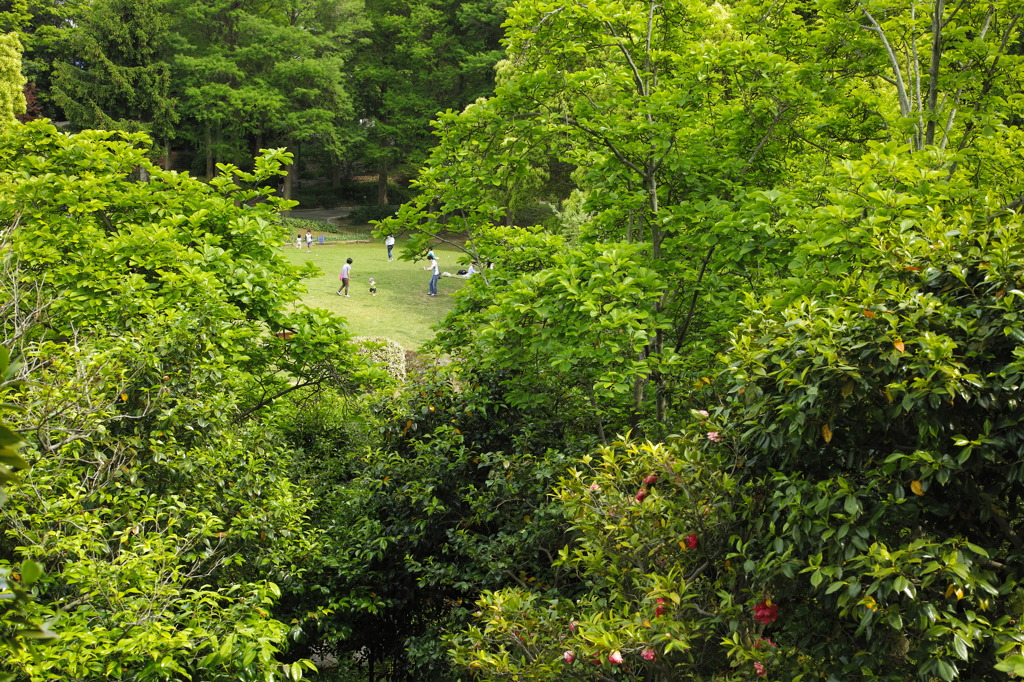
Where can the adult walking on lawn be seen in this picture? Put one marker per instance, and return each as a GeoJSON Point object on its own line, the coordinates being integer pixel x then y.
{"type": "Point", "coordinates": [346, 273]}
{"type": "Point", "coordinates": [390, 243]}
{"type": "Point", "coordinates": [435, 275]}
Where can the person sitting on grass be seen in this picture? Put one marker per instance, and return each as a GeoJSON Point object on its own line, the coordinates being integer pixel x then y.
{"type": "Point", "coordinates": [464, 274]}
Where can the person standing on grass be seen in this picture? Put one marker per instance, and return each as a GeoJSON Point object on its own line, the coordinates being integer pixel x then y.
{"type": "Point", "coordinates": [309, 240]}
{"type": "Point", "coordinates": [298, 241]}
{"type": "Point", "coordinates": [390, 243]}
{"type": "Point", "coordinates": [346, 272]}
{"type": "Point", "coordinates": [434, 276]}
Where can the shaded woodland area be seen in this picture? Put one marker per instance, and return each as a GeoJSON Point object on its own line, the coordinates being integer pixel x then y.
{"type": "Point", "coordinates": [349, 87]}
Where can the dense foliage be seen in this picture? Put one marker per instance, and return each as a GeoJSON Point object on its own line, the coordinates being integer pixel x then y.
{"type": "Point", "coordinates": [798, 225]}
{"type": "Point", "coordinates": [334, 81]}
{"type": "Point", "coordinates": [744, 404]}
{"type": "Point", "coordinates": [143, 316]}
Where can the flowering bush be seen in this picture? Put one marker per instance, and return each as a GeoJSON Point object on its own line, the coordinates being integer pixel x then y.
{"type": "Point", "coordinates": [766, 612]}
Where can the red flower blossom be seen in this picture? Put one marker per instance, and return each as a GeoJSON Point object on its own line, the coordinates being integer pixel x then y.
{"type": "Point", "coordinates": [759, 669]}
{"type": "Point", "coordinates": [615, 657]}
{"type": "Point", "coordinates": [641, 494]}
{"type": "Point", "coordinates": [569, 656]}
{"type": "Point", "coordinates": [651, 479]}
{"type": "Point", "coordinates": [648, 654]}
{"type": "Point", "coordinates": [659, 610]}
{"type": "Point", "coordinates": [714, 436]}
{"type": "Point", "coordinates": [691, 541]}
{"type": "Point", "coordinates": [766, 612]}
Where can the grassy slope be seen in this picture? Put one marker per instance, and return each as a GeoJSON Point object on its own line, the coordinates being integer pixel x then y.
{"type": "Point", "coordinates": [401, 310]}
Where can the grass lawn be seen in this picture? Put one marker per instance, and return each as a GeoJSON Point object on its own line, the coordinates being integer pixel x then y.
{"type": "Point", "coordinates": [401, 310]}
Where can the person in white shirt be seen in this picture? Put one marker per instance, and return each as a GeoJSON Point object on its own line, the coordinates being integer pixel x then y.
{"type": "Point", "coordinates": [434, 276]}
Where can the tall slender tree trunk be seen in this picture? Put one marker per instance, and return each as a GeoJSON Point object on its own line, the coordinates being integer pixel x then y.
{"type": "Point", "coordinates": [288, 175]}
{"type": "Point", "coordinates": [209, 152]}
{"type": "Point", "coordinates": [382, 182]}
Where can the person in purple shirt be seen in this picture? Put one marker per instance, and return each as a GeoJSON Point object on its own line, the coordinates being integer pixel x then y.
{"type": "Point", "coordinates": [346, 273]}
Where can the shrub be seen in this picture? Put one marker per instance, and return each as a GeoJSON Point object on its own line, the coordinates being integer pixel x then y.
{"type": "Point", "coordinates": [365, 214]}
{"type": "Point", "coordinates": [384, 352]}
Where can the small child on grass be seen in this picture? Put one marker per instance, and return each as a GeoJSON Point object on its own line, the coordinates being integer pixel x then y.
{"type": "Point", "coordinates": [373, 287]}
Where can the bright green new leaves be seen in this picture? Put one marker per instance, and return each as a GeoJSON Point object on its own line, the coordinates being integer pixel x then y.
{"type": "Point", "coordinates": [144, 314]}
{"type": "Point", "coordinates": [9, 440]}
{"type": "Point", "coordinates": [17, 624]}
{"type": "Point", "coordinates": [580, 328]}
{"type": "Point", "coordinates": [12, 100]}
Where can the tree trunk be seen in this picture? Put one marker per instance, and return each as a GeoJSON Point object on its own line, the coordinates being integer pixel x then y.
{"type": "Point", "coordinates": [289, 173]}
{"type": "Point", "coordinates": [382, 182]}
{"type": "Point", "coordinates": [209, 153]}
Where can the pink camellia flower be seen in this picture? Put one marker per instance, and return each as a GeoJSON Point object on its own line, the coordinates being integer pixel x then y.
{"type": "Point", "coordinates": [615, 657]}
{"type": "Point", "coordinates": [648, 654]}
{"type": "Point", "coordinates": [595, 487]}
{"type": "Point", "coordinates": [660, 608]}
{"type": "Point", "coordinates": [569, 656]}
{"type": "Point", "coordinates": [759, 669]}
{"type": "Point", "coordinates": [704, 413]}
{"type": "Point", "coordinates": [766, 612]}
{"type": "Point", "coordinates": [691, 541]}
{"type": "Point", "coordinates": [762, 641]}
{"type": "Point", "coordinates": [714, 436]}
{"type": "Point", "coordinates": [572, 625]}
{"type": "Point", "coordinates": [651, 479]}
{"type": "Point", "coordinates": [641, 494]}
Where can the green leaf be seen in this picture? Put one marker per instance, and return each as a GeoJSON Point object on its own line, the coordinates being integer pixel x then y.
{"type": "Point", "coordinates": [30, 571]}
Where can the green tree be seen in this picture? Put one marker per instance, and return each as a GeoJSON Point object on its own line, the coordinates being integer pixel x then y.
{"type": "Point", "coordinates": [414, 60]}
{"type": "Point", "coordinates": [850, 492]}
{"type": "Point", "coordinates": [848, 482]}
{"type": "Point", "coordinates": [117, 76]}
{"type": "Point", "coordinates": [17, 627]}
{"type": "Point", "coordinates": [254, 74]}
{"type": "Point", "coordinates": [41, 27]}
{"type": "Point", "coordinates": [12, 101]}
{"type": "Point", "coordinates": [673, 119]}
{"type": "Point", "coordinates": [158, 501]}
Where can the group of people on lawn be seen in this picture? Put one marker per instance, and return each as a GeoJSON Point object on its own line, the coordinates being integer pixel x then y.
{"type": "Point", "coordinates": [389, 242]}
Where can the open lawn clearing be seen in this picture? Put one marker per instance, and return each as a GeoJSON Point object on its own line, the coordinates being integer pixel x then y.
{"type": "Point", "coordinates": [401, 310]}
